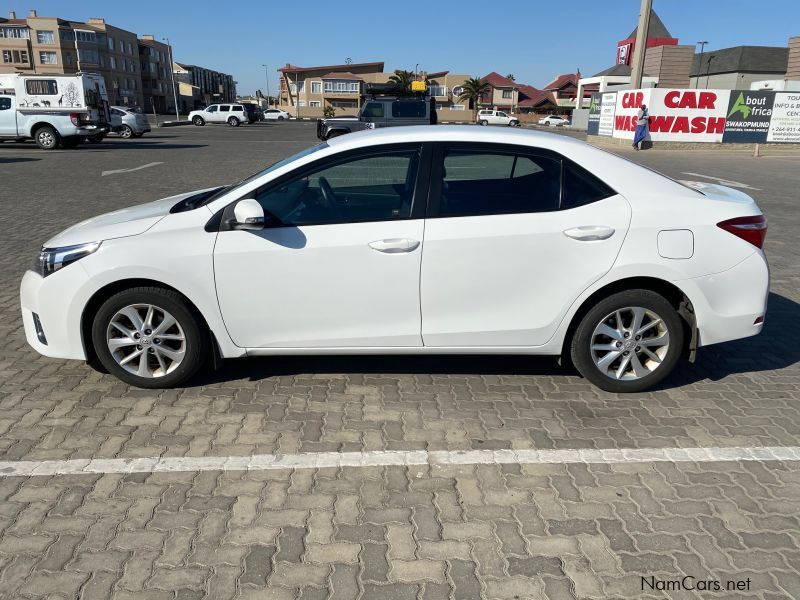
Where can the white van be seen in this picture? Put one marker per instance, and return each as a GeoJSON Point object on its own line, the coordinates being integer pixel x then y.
{"type": "Point", "coordinates": [54, 110]}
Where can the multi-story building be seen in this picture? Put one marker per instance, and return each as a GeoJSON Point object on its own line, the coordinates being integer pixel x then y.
{"type": "Point", "coordinates": [503, 93]}
{"type": "Point", "coordinates": [207, 86]}
{"type": "Point", "coordinates": [445, 87]}
{"type": "Point", "coordinates": [156, 69]}
{"type": "Point", "coordinates": [118, 55]}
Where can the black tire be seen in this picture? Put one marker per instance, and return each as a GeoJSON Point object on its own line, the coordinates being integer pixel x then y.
{"type": "Point", "coordinates": [47, 138]}
{"type": "Point", "coordinates": [195, 333]}
{"type": "Point", "coordinates": [138, 135]}
{"type": "Point", "coordinates": [581, 345]}
{"type": "Point", "coordinates": [95, 139]}
{"type": "Point", "coordinates": [233, 122]}
{"type": "Point", "coordinates": [126, 132]}
{"type": "Point", "coordinates": [484, 122]}
{"type": "Point", "coordinates": [199, 121]}
{"type": "Point", "coordinates": [281, 118]}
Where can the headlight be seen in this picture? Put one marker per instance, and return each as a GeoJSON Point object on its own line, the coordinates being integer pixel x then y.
{"type": "Point", "coordinates": [51, 260]}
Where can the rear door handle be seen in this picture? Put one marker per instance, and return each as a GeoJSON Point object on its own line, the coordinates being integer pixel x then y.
{"type": "Point", "coordinates": [590, 233]}
{"type": "Point", "coordinates": [394, 245]}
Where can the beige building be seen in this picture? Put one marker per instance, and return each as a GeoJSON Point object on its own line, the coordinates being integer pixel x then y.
{"type": "Point", "coordinates": [118, 52]}
{"type": "Point", "coordinates": [307, 91]}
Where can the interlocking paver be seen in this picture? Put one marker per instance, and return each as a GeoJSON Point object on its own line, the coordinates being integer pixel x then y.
{"type": "Point", "coordinates": [463, 531]}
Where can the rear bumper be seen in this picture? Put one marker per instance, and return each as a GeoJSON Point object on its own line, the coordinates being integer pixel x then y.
{"type": "Point", "coordinates": [728, 304]}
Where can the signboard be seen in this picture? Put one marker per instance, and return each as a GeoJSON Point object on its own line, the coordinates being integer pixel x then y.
{"type": "Point", "coordinates": [784, 124]}
{"type": "Point", "coordinates": [748, 116]}
{"type": "Point", "coordinates": [594, 114]}
{"type": "Point", "coordinates": [607, 108]}
{"type": "Point", "coordinates": [682, 115]}
{"type": "Point", "coordinates": [624, 54]}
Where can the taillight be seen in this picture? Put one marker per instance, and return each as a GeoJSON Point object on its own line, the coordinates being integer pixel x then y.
{"type": "Point", "coordinates": [750, 229]}
{"type": "Point", "coordinates": [74, 117]}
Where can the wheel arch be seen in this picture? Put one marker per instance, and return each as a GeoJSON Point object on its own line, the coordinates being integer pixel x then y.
{"type": "Point", "coordinates": [39, 124]}
{"type": "Point", "coordinates": [671, 292]}
{"type": "Point", "coordinates": [105, 292]}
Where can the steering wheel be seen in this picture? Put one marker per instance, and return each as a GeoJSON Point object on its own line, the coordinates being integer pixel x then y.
{"type": "Point", "coordinates": [329, 200]}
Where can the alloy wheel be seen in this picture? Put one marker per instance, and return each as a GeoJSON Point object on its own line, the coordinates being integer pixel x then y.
{"type": "Point", "coordinates": [46, 138]}
{"type": "Point", "coordinates": [146, 340]}
{"type": "Point", "coordinates": [629, 343]}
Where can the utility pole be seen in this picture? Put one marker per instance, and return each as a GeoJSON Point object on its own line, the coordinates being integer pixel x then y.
{"type": "Point", "coordinates": [637, 67]}
{"type": "Point", "coordinates": [266, 74]}
{"type": "Point", "coordinates": [699, 64]}
{"type": "Point", "coordinates": [172, 72]}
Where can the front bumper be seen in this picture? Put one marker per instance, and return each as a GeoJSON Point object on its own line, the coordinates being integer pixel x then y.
{"type": "Point", "coordinates": [58, 302]}
{"type": "Point", "coordinates": [728, 304]}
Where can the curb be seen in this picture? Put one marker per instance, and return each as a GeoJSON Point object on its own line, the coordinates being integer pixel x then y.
{"type": "Point", "coordinates": [174, 123]}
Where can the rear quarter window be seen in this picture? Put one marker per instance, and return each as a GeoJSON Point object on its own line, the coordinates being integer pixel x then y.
{"type": "Point", "coordinates": [408, 110]}
{"type": "Point", "coordinates": [581, 187]}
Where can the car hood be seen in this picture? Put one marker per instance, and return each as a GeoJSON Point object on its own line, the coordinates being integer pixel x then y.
{"type": "Point", "coordinates": [120, 223]}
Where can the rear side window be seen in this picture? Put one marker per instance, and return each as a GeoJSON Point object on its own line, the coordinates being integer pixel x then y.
{"type": "Point", "coordinates": [476, 182]}
{"type": "Point", "coordinates": [408, 109]}
{"type": "Point", "coordinates": [373, 109]}
{"type": "Point", "coordinates": [581, 187]}
{"type": "Point", "coordinates": [224, 109]}
{"type": "Point", "coordinates": [41, 87]}
{"type": "Point", "coordinates": [238, 109]}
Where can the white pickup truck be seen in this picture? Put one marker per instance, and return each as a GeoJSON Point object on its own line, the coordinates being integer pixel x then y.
{"type": "Point", "coordinates": [54, 110]}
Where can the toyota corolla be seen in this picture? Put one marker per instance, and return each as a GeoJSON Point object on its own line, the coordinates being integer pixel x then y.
{"type": "Point", "coordinates": [453, 239]}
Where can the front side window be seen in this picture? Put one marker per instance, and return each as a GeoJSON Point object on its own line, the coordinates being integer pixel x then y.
{"type": "Point", "coordinates": [212, 108]}
{"type": "Point", "coordinates": [373, 110]}
{"type": "Point", "coordinates": [483, 182]}
{"type": "Point", "coordinates": [376, 187]}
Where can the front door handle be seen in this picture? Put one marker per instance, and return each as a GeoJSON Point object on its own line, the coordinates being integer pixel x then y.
{"type": "Point", "coordinates": [590, 233]}
{"type": "Point", "coordinates": [394, 245]}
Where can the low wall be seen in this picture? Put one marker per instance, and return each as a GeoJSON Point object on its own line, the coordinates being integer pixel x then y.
{"type": "Point", "coordinates": [753, 149]}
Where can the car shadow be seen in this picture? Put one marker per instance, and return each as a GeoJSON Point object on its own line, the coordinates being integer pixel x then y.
{"type": "Point", "coordinates": [105, 146]}
{"type": "Point", "coordinates": [773, 350]}
{"type": "Point", "coordinates": [16, 159]}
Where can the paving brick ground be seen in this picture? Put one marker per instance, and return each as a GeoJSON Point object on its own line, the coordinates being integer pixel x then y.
{"type": "Point", "coordinates": [480, 531]}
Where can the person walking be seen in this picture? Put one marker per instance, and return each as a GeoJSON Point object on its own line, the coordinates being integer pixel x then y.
{"type": "Point", "coordinates": [641, 127]}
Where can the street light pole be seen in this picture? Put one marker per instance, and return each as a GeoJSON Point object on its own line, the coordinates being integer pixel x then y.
{"type": "Point", "coordinates": [266, 75]}
{"type": "Point", "coordinates": [699, 64]}
{"type": "Point", "coordinates": [172, 72]}
{"type": "Point", "coordinates": [637, 67]}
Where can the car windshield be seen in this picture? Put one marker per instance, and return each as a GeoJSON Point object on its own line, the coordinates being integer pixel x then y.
{"type": "Point", "coordinates": [273, 167]}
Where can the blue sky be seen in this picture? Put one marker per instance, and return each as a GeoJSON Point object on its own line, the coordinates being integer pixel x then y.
{"type": "Point", "coordinates": [533, 40]}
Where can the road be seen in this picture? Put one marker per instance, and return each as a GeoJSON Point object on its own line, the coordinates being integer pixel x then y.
{"type": "Point", "coordinates": [275, 497]}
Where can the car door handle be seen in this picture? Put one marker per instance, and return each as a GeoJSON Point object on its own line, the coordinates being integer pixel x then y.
{"type": "Point", "coordinates": [394, 245]}
{"type": "Point", "coordinates": [589, 233]}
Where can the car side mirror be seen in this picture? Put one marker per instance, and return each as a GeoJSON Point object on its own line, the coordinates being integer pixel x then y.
{"type": "Point", "coordinates": [248, 215]}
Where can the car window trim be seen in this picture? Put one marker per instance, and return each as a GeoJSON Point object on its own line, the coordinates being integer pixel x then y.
{"type": "Point", "coordinates": [219, 222]}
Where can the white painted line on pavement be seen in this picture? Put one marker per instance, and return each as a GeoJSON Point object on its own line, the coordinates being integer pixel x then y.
{"type": "Point", "coordinates": [381, 458]}
{"type": "Point", "coordinates": [721, 181]}
{"type": "Point", "coordinates": [152, 164]}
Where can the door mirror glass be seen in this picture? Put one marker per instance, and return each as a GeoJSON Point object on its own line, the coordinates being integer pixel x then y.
{"type": "Point", "coordinates": [248, 215]}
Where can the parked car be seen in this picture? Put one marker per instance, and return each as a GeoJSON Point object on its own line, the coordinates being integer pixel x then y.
{"type": "Point", "coordinates": [496, 117]}
{"type": "Point", "coordinates": [53, 110]}
{"type": "Point", "coordinates": [275, 114]}
{"type": "Point", "coordinates": [232, 114]}
{"type": "Point", "coordinates": [411, 240]}
{"type": "Point", "coordinates": [128, 122]}
{"type": "Point", "coordinates": [377, 111]}
{"type": "Point", "coordinates": [254, 113]}
{"type": "Point", "coordinates": [554, 121]}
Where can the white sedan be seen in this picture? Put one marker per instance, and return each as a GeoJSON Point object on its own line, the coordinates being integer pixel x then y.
{"type": "Point", "coordinates": [275, 114]}
{"type": "Point", "coordinates": [411, 240]}
{"type": "Point", "coordinates": [554, 121]}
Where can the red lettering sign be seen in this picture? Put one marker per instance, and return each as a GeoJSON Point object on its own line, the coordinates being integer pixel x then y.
{"type": "Point", "coordinates": [703, 100]}
{"type": "Point", "coordinates": [632, 99]}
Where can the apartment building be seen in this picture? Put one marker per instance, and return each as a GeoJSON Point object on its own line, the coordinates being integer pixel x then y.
{"type": "Point", "coordinates": [155, 59]}
{"type": "Point", "coordinates": [202, 86]}
{"type": "Point", "coordinates": [118, 55]}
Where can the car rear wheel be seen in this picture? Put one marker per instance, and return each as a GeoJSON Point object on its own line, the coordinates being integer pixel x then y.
{"type": "Point", "coordinates": [483, 122]}
{"type": "Point", "coordinates": [126, 132]}
{"type": "Point", "coordinates": [95, 139]}
{"type": "Point", "coordinates": [233, 122]}
{"type": "Point", "coordinates": [628, 342]}
{"type": "Point", "coordinates": [281, 118]}
{"type": "Point", "coordinates": [149, 337]}
{"type": "Point", "coordinates": [47, 138]}
{"type": "Point", "coordinates": [334, 134]}
{"type": "Point", "coordinates": [198, 121]}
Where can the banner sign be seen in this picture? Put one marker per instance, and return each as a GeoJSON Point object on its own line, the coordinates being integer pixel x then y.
{"type": "Point", "coordinates": [784, 126]}
{"type": "Point", "coordinates": [594, 114]}
{"type": "Point", "coordinates": [607, 108]}
{"type": "Point", "coordinates": [748, 116]}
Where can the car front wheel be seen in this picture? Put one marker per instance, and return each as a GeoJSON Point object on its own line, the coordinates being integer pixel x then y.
{"type": "Point", "coordinates": [628, 342]}
{"type": "Point", "coordinates": [149, 337]}
{"type": "Point", "coordinates": [198, 121]}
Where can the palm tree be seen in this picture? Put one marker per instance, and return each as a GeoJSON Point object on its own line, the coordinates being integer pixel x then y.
{"type": "Point", "coordinates": [473, 89]}
{"type": "Point", "coordinates": [402, 79]}
{"type": "Point", "coordinates": [511, 77]}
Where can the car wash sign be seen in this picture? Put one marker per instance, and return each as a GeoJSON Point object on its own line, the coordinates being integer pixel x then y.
{"type": "Point", "coordinates": [674, 115]}
{"type": "Point", "coordinates": [749, 115]}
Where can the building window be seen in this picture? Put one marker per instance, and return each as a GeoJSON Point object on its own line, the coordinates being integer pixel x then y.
{"type": "Point", "coordinates": [437, 90]}
{"type": "Point", "coordinates": [68, 58]}
{"type": "Point", "coordinates": [302, 102]}
{"type": "Point", "coordinates": [110, 43]}
{"type": "Point", "coordinates": [506, 93]}
{"type": "Point", "coordinates": [67, 35]}
{"type": "Point", "coordinates": [316, 87]}
{"type": "Point", "coordinates": [88, 56]}
{"type": "Point", "coordinates": [15, 56]}
{"type": "Point", "coordinates": [14, 32]}
{"type": "Point", "coordinates": [86, 36]}
{"type": "Point", "coordinates": [341, 87]}
{"type": "Point", "coordinates": [113, 62]}
{"type": "Point", "coordinates": [315, 103]}
{"type": "Point", "coordinates": [47, 58]}
{"type": "Point", "coordinates": [45, 37]}
{"type": "Point", "coordinates": [121, 47]}
{"type": "Point", "coordinates": [130, 48]}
